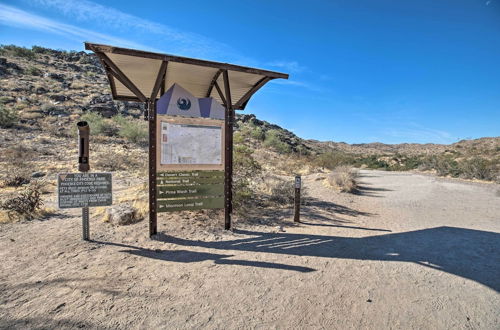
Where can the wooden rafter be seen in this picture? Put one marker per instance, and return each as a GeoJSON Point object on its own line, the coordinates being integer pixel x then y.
{"type": "Point", "coordinates": [255, 88]}
{"type": "Point", "coordinates": [212, 83]}
{"type": "Point", "coordinates": [159, 79]}
{"type": "Point", "coordinates": [118, 74]}
{"type": "Point", "coordinates": [221, 95]}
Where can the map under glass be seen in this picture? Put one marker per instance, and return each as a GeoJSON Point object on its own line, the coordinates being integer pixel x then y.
{"type": "Point", "coordinates": [191, 144]}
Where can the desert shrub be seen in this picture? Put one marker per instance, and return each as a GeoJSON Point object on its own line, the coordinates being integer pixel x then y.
{"type": "Point", "coordinates": [274, 140]}
{"type": "Point", "coordinates": [343, 178]}
{"type": "Point", "coordinates": [118, 162]}
{"type": "Point", "coordinates": [478, 168]}
{"type": "Point", "coordinates": [33, 71]}
{"type": "Point", "coordinates": [99, 125]}
{"type": "Point", "coordinates": [8, 117]}
{"type": "Point", "coordinates": [443, 165]}
{"type": "Point", "coordinates": [282, 192]}
{"type": "Point", "coordinates": [246, 170]}
{"type": "Point", "coordinates": [26, 203]}
{"type": "Point", "coordinates": [133, 130]}
{"type": "Point", "coordinates": [372, 162]}
{"type": "Point", "coordinates": [18, 51]}
{"type": "Point", "coordinates": [41, 50]}
{"type": "Point", "coordinates": [332, 159]}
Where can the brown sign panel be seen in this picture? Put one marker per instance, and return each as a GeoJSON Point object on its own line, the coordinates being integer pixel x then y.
{"type": "Point", "coordinates": [189, 190]}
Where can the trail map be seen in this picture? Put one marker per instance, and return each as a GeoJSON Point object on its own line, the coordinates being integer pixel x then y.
{"type": "Point", "coordinates": [190, 144]}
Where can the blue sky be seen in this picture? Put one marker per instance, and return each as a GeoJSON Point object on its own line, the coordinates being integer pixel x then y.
{"type": "Point", "coordinates": [360, 71]}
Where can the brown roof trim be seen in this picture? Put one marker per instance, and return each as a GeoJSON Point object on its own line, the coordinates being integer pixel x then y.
{"type": "Point", "coordinates": [99, 48]}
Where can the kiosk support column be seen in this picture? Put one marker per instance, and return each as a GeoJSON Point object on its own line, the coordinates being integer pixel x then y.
{"type": "Point", "coordinates": [151, 108]}
{"type": "Point", "coordinates": [228, 154]}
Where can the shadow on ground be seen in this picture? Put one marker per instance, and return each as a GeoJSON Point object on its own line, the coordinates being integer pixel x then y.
{"type": "Point", "coordinates": [472, 254]}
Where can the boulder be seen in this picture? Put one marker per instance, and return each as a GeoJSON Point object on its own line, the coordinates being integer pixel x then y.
{"type": "Point", "coordinates": [59, 97]}
{"type": "Point", "coordinates": [123, 214]}
{"type": "Point", "coordinates": [41, 90]}
{"type": "Point", "coordinates": [105, 111]}
{"type": "Point", "coordinates": [56, 76]}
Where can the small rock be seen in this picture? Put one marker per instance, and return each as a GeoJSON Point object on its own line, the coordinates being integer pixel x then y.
{"type": "Point", "coordinates": [56, 76]}
{"type": "Point", "coordinates": [123, 214]}
{"type": "Point", "coordinates": [59, 97]}
{"type": "Point", "coordinates": [37, 174]}
{"type": "Point", "coordinates": [40, 90]}
{"type": "Point", "coordinates": [369, 300]}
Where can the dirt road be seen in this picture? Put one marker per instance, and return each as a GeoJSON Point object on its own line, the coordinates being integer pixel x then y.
{"type": "Point", "coordinates": [408, 252]}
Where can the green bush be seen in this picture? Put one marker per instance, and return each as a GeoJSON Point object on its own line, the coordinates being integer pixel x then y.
{"type": "Point", "coordinates": [133, 130]}
{"type": "Point", "coordinates": [478, 168]}
{"type": "Point", "coordinates": [33, 71]}
{"type": "Point", "coordinates": [332, 159]}
{"type": "Point", "coordinates": [246, 169]}
{"type": "Point", "coordinates": [274, 140]}
{"type": "Point", "coordinates": [99, 125]}
{"type": "Point", "coordinates": [18, 51]}
{"type": "Point", "coordinates": [8, 117]}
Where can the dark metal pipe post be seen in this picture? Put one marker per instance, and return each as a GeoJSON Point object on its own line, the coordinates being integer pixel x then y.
{"type": "Point", "coordinates": [298, 183]}
{"type": "Point", "coordinates": [84, 166]}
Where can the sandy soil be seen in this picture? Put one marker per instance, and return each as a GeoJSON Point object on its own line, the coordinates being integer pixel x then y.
{"type": "Point", "coordinates": [408, 252]}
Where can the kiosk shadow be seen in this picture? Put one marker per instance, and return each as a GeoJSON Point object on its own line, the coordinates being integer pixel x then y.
{"type": "Point", "coordinates": [186, 256]}
{"type": "Point", "coordinates": [471, 254]}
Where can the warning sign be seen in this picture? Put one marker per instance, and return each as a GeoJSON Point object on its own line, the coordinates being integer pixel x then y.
{"type": "Point", "coordinates": [77, 190]}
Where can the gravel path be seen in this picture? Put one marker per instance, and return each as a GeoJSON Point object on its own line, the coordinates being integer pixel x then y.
{"type": "Point", "coordinates": [409, 251]}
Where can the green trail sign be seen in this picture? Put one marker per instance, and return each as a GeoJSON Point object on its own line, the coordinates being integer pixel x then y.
{"type": "Point", "coordinates": [190, 190]}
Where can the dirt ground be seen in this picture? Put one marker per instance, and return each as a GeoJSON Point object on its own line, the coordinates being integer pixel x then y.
{"type": "Point", "coordinates": [408, 252]}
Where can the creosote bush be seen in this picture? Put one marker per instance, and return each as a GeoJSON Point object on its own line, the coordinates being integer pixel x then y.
{"type": "Point", "coordinates": [246, 170]}
{"type": "Point", "coordinates": [99, 125]}
{"type": "Point", "coordinates": [8, 117]}
{"type": "Point", "coordinates": [274, 140]}
{"type": "Point", "coordinates": [343, 178]}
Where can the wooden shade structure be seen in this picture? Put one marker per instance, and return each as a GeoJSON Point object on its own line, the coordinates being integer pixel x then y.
{"type": "Point", "coordinates": [141, 76]}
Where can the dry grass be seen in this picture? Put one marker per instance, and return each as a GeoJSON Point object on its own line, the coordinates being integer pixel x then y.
{"type": "Point", "coordinates": [343, 178]}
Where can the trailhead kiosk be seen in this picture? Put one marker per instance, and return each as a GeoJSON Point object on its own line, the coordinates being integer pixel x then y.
{"type": "Point", "coordinates": [190, 107]}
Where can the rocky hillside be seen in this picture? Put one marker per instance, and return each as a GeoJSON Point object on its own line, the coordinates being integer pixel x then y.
{"type": "Point", "coordinates": [46, 91]}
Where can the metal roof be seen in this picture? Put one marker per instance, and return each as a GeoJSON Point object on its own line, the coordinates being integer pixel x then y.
{"type": "Point", "coordinates": [136, 75]}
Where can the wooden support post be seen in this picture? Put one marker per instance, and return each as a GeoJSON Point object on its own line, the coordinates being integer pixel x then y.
{"type": "Point", "coordinates": [151, 105]}
{"type": "Point", "coordinates": [228, 154]}
{"type": "Point", "coordinates": [298, 183]}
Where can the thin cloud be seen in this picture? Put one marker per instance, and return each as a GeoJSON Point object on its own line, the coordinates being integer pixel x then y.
{"type": "Point", "coordinates": [296, 83]}
{"type": "Point", "coordinates": [14, 17]}
{"type": "Point", "coordinates": [419, 133]}
{"type": "Point", "coordinates": [180, 42]}
{"type": "Point", "coordinates": [290, 66]}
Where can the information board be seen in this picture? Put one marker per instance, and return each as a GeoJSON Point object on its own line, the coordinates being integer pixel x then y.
{"type": "Point", "coordinates": [190, 190]}
{"type": "Point", "coordinates": [191, 144]}
{"type": "Point", "coordinates": [77, 190]}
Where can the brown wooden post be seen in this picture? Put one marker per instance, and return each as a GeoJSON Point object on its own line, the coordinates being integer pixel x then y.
{"type": "Point", "coordinates": [228, 154]}
{"type": "Point", "coordinates": [298, 183]}
{"type": "Point", "coordinates": [151, 105]}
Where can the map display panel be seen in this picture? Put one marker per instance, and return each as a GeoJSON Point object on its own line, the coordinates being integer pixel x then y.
{"type": "Point", "coordinates": [190, 144]}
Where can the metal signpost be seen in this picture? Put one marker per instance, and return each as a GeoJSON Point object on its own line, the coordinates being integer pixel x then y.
{"type": "Point", "coordinates": [84, 190]}
{"type": "Point", "coordinates": [298, 183]}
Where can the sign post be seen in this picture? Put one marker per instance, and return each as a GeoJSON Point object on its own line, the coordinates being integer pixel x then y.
{"type": "Point", "coordinates": [84, 166]}
{"type": "Point", "coordinates": [298, 183]}
{"type": "Point", "coordinates": [84, 190]}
